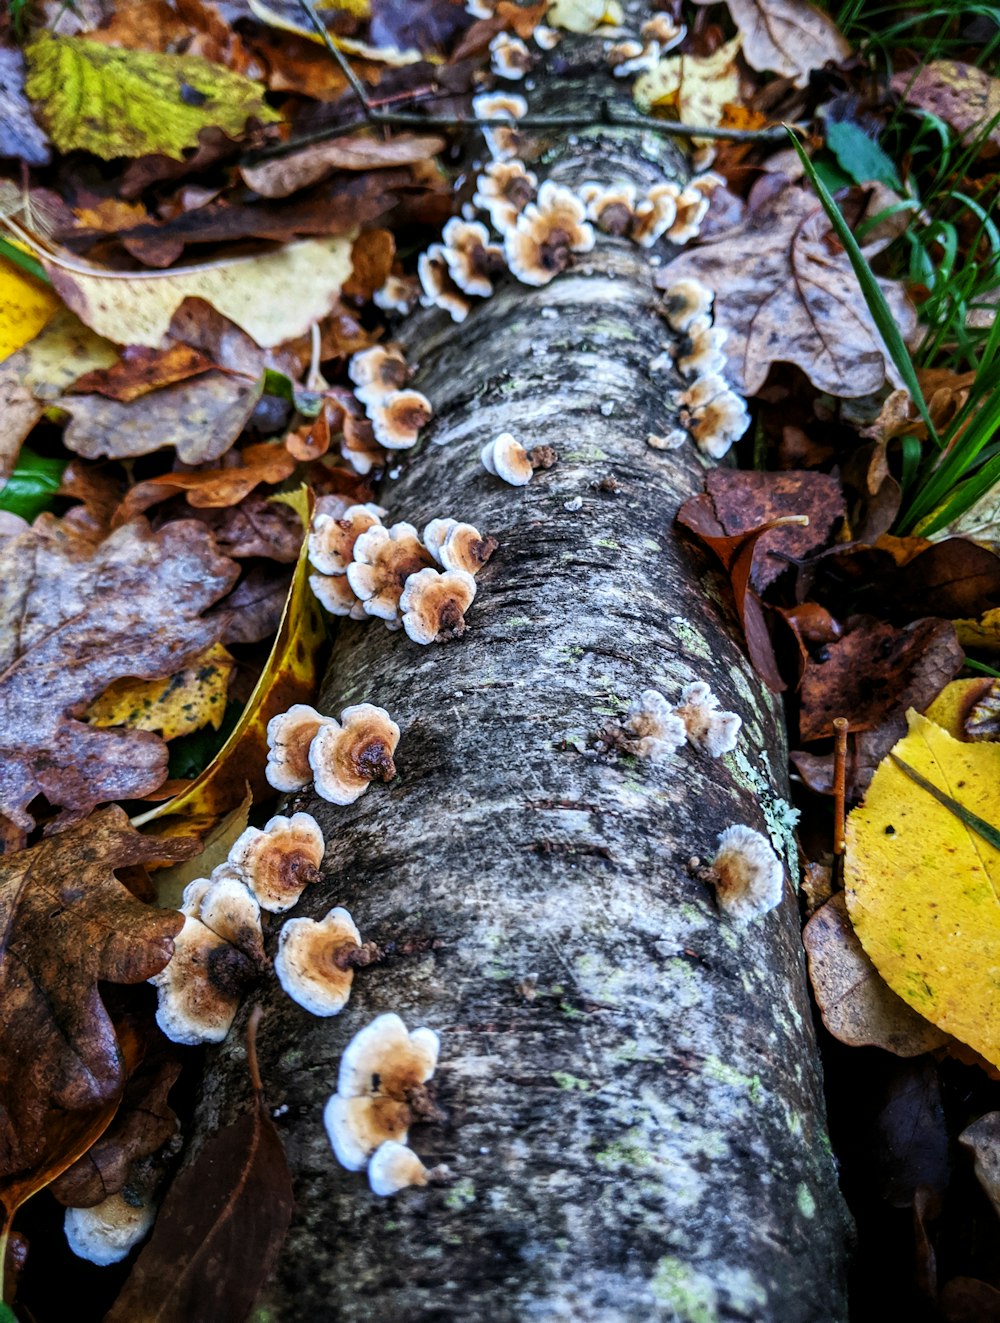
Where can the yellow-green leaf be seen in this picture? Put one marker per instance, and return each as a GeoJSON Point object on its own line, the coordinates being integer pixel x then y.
{"type": "Point", "coordinates": [25, 306]}
{"type": "Point", "coordinates": [177, 705]}
{"type": "Point", "coordinates": [923, 888]}
{"type": "Point", "coordinates": [115, 102]}
{"type": "Point", "coordinates": [695, 88]}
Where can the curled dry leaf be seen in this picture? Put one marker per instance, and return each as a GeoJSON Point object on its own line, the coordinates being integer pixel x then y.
{"type": "Point", "coordinates": [68, 924]}
{"type": "Point", "coordinates": [786, 37]}
{"type": "Point", "coordinates": [141, 370]}
{"type": "Point", "coordinates": [278, 177]}
{"type": "Point", "coordinates": [785, 292]}
{"type": "Point", "coordinates": [965, 97]}
{"type": "Point", "coordinates": [74, 617]}
{"type": "Point", "coordinates": [856, 1003]}
{"type": "Point", "coordinates": [209, 489]}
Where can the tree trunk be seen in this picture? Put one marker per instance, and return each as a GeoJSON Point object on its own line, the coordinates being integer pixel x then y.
{"type": "Point", "coordinates": [635, 1119]}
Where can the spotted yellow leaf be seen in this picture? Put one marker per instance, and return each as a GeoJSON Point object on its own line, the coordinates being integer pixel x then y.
{"type": "Point", "coordinates": [695, 89]}
{"type": "Point", "coordinates": [177, 705]}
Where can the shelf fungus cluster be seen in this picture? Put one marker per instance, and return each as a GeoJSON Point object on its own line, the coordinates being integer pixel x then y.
{"type": "Point", "coordinates": [382, 1089]}
{"type": "Point", "coordinates": [341, 758]}
{"type": "Point", "coordinates": [657, 36]}
{"type": "Point", "coordinates": [655, 729]}
{"type": "Point", "coordinates": [364, 570]}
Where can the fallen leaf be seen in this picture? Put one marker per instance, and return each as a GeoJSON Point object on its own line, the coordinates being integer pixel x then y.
{"type": "Point", "coordinates": [212, 488]}
{"type": "Point", "coordinates": [786, 37]}
{"type": "Point", "coordinates": [221, 1227]}
{"type": "Point", "coordinates": [255, 606]}
{"type": "Point", "coordinates": [966, 98]}
{"type": "Point", "coordinates": [67, 925]}
{"type": "Point", "coordinates": [968, 1300]}
{"type": "Point", "coordinates": [141, 370]}
{"type": "Point", "coordinates": [255, 527]}
{"type": "Point", "coordinates": [279, 176]}
{"type": "Point", "coordinates": [114, 102]}
{"type": "Point", "coordinates": [954, 578]}
{"type": "Point", "coordinates": [171, 880]}
{"type": "Point", "coordinates": [20, 136]}
{"type": "Point", "coordinates": [371, 262]}
{"type": "Point", "coordinates": [177, 705]}
{"type": "Point", "coordinates": [857, 1005]}
{"type": "Point", "coordinates": [785, 292]}
{"type": "Point", "coordinates": [25, 306]}
{"type": "Point", "coordinates": [913, 1152]}
{"type": "Point", "coordinates": [950, 710]}
{"type": "Point", "coordinates": [74, 617]}
{"type": "Point", "coordinates": [272, 296]}
{"type": "Point", "coordinates": [983, 1138]}
{"type": "Point", "coordinates": [922, 886]}
{"type": "Point", "coordinates": [288, 16]}
{"type": "Point", "coordinates": [33, 486]}
{"type": "Point", "coordinates": [697, 88]}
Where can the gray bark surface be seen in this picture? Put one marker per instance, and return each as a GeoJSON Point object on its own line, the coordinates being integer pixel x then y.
{"type": "Point", "coordinates": [635, 1119]}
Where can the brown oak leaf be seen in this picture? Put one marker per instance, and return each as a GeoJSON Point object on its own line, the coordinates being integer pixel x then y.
{"type": "Point", "coordinates": [786, 36]}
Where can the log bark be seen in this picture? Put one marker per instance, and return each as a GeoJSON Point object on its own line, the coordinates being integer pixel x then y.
{"type": "Point", "coordinates": [635, 1118]}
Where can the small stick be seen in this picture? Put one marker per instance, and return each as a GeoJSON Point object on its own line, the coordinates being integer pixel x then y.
{"type": "Point", "coordinates": [256, 1015]}
{"type": "Point", "coordinates": [839, 787]}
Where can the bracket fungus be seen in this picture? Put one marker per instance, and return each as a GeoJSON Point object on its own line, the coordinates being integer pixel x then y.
{"type": "Point", "coordinates": [473, 262]}
{"type": "Point", "coordinates": [331, 540]}
{"type": "Point", "coordinates": [504, 457]}
{"type": "Point", "coordinates": [107, 1232]}
{"type": "Point", "coordinates": [503, 190]}
{"type": "Point", "coordinates": [655, 215]}
{"type": "Point", "coordinates": [509, 56]}
{"type": "Point", "coordinates": [503, 143]}
{"type": "Point", "coordinates": [229, 908]}
{"type": "Point", "coordinates": [384, 558]}
{"type": "Point", "coordinates": [280, 860]}
{"type": "Point", "coordinates": [433, 604]}
{"type": "Point", "coordinates": [316, 960]}
{"type": "Point", "coordinates": [703, 354]}
{"type": "Point", "coordinates": [633, 57]}
{"type": "Point", "coordinates": [377, 372]}
{"type": "Point", "coordinates": [612, 209]}
{"type": "Point", "coordinates": [398, 294]}
{"type": "Point", "coordinates": [358, 446]}
{"type": "Point", "coordinates": [397, 419]}
{"type": "Point", "coordinates": [394, 1167]}
{"type": "Point", "coordinates": [439, 290]}
{"type": "Point", "coordinates": [714, 414]}
{"type": "Point", "coordinates": [684, 301]}
{"type": "Point", "coordinates": [199, 990]}
{"type": "Point", "coordinates": [381, 1089]}
{"type": "Point", "coordinates": [336, 595]}
{"type": "Point", "coordinates": [708, 728]}
{"type": "Point", "coordinates": [746, 873]}
{"type": "Point", "coordinates": [655, 730]}
{"type": "Point", "coordinates": [458, 546]}
{"type": "Point", "coordinates": [346, 756]}
{"type": "Point", "coordinates": [547, 234]}
{"type": "Point", "coordinates": [289, 735]}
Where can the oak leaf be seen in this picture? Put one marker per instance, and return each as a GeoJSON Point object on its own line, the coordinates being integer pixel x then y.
{"type": "Point", "coordinates": [786, 36]}
{"type": "Point", "coordinates": [74, 617]}
{"type": "Point", "coordinates": [922, 885]}
{"type": "Point", "coordinates": [68, 924]}
{"type": "Point", "coordinates": [786, 293]}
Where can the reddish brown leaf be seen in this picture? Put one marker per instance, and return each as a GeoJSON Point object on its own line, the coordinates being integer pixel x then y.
{"type": "Point", "coordinates": [255, 527]}
{"type": "Point", "coordinates": [968, 1300]}
{"type": "Point", "coordinates": [371, 262]}
{"type": "Point", "coordinates": [212, 488]}
{"type": "Point", "coordinates": [142, 370]}
{"type": "Point", "coordinates": [282, 175]}
{"type": "Point", "coordinates": [955, 578]}
{"type": "Point", "coordinates": [68, 924]}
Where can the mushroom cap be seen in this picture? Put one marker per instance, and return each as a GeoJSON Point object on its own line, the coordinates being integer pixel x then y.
{"type": "Point", "coordinates": [703, 391]}
{"type": "Point", "coordinates": [684, 301]}
{"type": "Point", "coordinates": [504, 189]}
{"type": "Point", "coordinates": [472, 260]}
{"type": "Point", "coordinates": [231, 910]}
{"type": "Point", "coordinates": [289, 735]}
{"type": "Point", "coordinates": [692, 205]}
{"type": "Point", "coordinates": [377, 372]}
{"type": "Point", "coordinates": [433, 604]}
{"type": "Point", "coordinates": [199, 990]}
{"type": "Point", "coordinates": [336, 595]}
{"type": "Point", "coordinates": [657, 729]}
{"type": "Point", "coordinates": [192, 896]}
{"type": "Point", "coordinates": [435, 533]}
{"type": "Point", "coordinates": [632, 57]}
{"type": "Point", "coordinates": [709, 729]}
{"type": "Point", "coordinates": [704, 356]}
{"type": "Point", "coordinates": [106, 1232]}
{"type": "Point", "coordinates": [305, 963]}
{"type": "Point", "coordinates": [504, 143]}
{"type": "Point", "coordinates": [359, 447]}
{"type": "Point", "coordinates": [546, 234]}
{"type": "Point", "coordinates": [356, 1127]}
{"type": "Point", "coordinates": [749, 875]}
{"type": "Point", "coordinates": [384, 558]}
{"type": "Point", "coordinates": [440, 291]}
{"type": "Point", "coordinates": [510, 56]}
{"type": "Point", "coordinates": [719, 423]}
{"type": "Point", "coordinates": [655, 214]}
{"type": "Point", "coordinates": [611, 208]}
{"type": "Point", "coordinates": [463, 547]}
{"type": "Point", "coordinates": [664, 30]}
{"type": "Point", "coordinates": [506, 458]}
{"type": "Point", "coordinates": [279, 861]}
{"type": "Point", "coordinates": [397, 418]}
{"type": "Point", "coordinates": [385, 1058]}
{"type": "Point", "coordinates": [546, 38]}
{"type": "Point", "coordinates": [398, 294]}
{"type": "Point", "coordinates": [346, 759]}
{"type": "Point", "coordinates": [393, 1167]}
{"type": "Point", "coordinates": [331, 541]}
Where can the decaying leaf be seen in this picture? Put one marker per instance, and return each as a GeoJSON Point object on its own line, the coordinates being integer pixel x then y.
{"type": "Point", "coordinates": [67, 925]}
{"type": "Point", "coordinates": [856, 1003]}
{"type": "Point", "coordinates": [279, 177]}
{"type": "Point", "coordinates": [922, 886]}
{"type": "Point", "coordinates": [983, 1138]}
{"type": "Point", "coordinates": [25, 306]}
{"type": "Point", "coordinates": [786, 36]}
{"type": "Point", "coordinates": [74, 617]}
{"type": "Point", "coordinates": [181, 703]}
{"type": "Point", "coordinates": [966, 98]}
{"type": "Point", "coordinates": [273, 296]}
{"type": "Point", "coordinates": [135, 103]}
{"type": "Point", "coordinates": [141, 370]}
{"type": "Point", "coordinates": [697, 88]}
{"type": "Point", "coordinates": [785, 291]}
{"type": "Point", "coordinates": [209, 489]}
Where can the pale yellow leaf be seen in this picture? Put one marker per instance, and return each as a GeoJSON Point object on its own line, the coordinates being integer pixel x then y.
{"type": "Point", "coordinates": [176, 705]}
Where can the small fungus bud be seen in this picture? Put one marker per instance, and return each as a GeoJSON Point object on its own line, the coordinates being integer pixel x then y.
{"type": "Point", "coordinates": [281, 860]}
{"type": "Point", "coordinates": [336, 595]}
{"type": "Point", "coordinates": [684, 301]}
{"type": "Point", "coordinates": [504, 189]}
{"type": "Point", "coordinates": [673, 440]}
{"type": "Point", "coordinates": [331, 541]}
{"type": "Point", "coordinates": [397, 419]}
{"type": "Point", "coordinates": [748, 875]}
{"type": "Point", "coordinates": [433, 604]}
{"type": "Point", "coordinates": [709, 729]}
{"type": "Point", "coordinates": [611, 209]}
{"type": "Point", "coordinates": [384, 558]}
{"type": "Point", "coordinates": [506, 458]}
{"type": "Point", "coordinates": [503, 143]}
{"type": "Point", "coordinates": [548, 232]}
{"type": "Point", "coordinates": [547, 39]}
{"type": "Point", "coordinates": [665, 30]}
{"type": "Point", "coordinates": [439, 290]}
{"type": "Point", "coordinates": [473, 262]}
{"type": "Point", "coordinates": [398, 294]}
{"type": "Point", "coordinates": [510, 57]}
{"type": "Point", "coordinates": [377, 372]}
{"type": "Point", "coordinates": [289, 736]}
{"type": "Point", "coordinates": [633, 57]}
{"type": "Point", "coordinates": [107, 1232]}
{"type": "Point", "coordinates": [655, 728]}
{"type": "Point", "coordinates": [358, 445]}
{"type": "Point", "coordinates": [383, 1072]}
{"type": "Point", "coordinates": [394, 1167]}
{"type": "Point", "coordinates": [316, 961]}
{"type": "Point", "coordinates": [348, 755]}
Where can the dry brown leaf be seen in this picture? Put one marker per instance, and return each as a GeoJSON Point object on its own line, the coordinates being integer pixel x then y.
{"type": "Point", "coordinates": [963, 96]}
{"type": "Point", "coordinates": [141, 371]}
{"type": "Point", "coordinates": [371, 261]}
{"type": "Point", "coordinates": [787, 37]}
{"type": "Point", "coordinates": [74, 617]}
{"type": "Point", "coordinates": [856, 1003]}
{"type": "Point", "coordinates": [983, 1138]}
{"type": "Point", "coordinates": [209, 489]}
{"type": "Point", "coordinates": [282, 175]}
{"type": "Point", "coordinates": [785, 292]}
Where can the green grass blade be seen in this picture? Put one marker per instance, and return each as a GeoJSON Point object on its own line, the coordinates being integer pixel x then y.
{"type": "Point", "coordinates": [22, 259]}
{"type": "Point", "coordinates": [972, 820]}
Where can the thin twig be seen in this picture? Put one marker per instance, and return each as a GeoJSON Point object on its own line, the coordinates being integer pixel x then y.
{"type": "Point", "coordinates": [840, 725]}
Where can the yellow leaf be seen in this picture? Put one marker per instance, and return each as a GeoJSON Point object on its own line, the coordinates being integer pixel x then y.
{"type": "Point", "coordinates": [951, 707]}
{"type": "Point", "coordinates": [177, 705]}
{"type": "Point", "coordinates": [295, 22]}
{"type": "Point", "coordinates": [25, 306]}
{"type": "Point", "coordinates": [983, 633]}
{"type": "Point", "coordinates": [922, 888]}
{"type": "Point", "coordinates": [273, 296]}
{"type": "Point", "coordinates": [697, 88]}
{"type": "Point", "coordinates": [289, 677]}
{"type": "Point", "coordinates": [584, 15]}
{"type": "Point", "coordinates": [115, 102]}
{"type": "Point", "coordinates": [171, 881]}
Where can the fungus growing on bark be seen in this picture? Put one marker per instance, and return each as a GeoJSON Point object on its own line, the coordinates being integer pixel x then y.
{"type": "Point", "coordinates": [714, 414]}
{"type": "Point", "coordinates": [440, 291]}
{"type": "Point", "coordinates": [665, 30]}
{"type": "Point", "coordinates": [377, 372]}
{"type": "Point", "coordinates": [397, 419]}
{"type": "Point", "coordinates": [346, 756]}
{"type": "Point", "coordinates": [655, 214]}
{"type": "Point", "coordinates": [612, 209]}
{"type": "Point", "coordinates": [473, 262]}
{"type": "Point", "coordinates": [692, 205]}
{"type": "Point", "coordinates": [458, 546]}
{"type": "Point", "coordinates": [289, 736]}
{"type": "Point", "coordinates": [394, 1167]}
{"type": "Point", "coordinates": [317, 958]}
{"type": "Point", "coordinates": [703, 355]}
{"type": "Point", "coordinates": [655, 730]}
{"type": "Point", "coordinates": [336, 595]}
{"type": "Point", "coordinates": [503, 143]}
{"type": "Point", "coordinates": [230, 909]}
{"type": "Point", "coordinates": [505, 458]}
{"type": "Point", "coordinates": [708, 728]}
{"type": "Point", "coordinates": [673, 440]}
{"type": "Point", "coordinates": [199, 990]}
{"type": "Point", "coordinates": [384, 558]}
{"type": "Point", "coordinates": [684, 301]}
{"type": "Point", "coordinates": [380, 1089]}
{"type": "Point", "coordinates": [546, 38]}
{"type": "Point", "coordinates": [509, 56]}
{"type": "Point", "coordinates": [107, 1232]}
{"type": "Point", "coordinates": [280, 860]}
{"type": "Point", "coordinates": [331, 541]}
{"type": "Point", "coordinates": [632, 57]}
{"type": "Point", "coordinates": [433, 604]}
{"type": "Point", "coordinates": [504, 189]}
{"type": "Point", "coordinates": [746, 873]}
{"type": "Point", "coordinates": [547, 233]}
{"type": "Point", "coordinates": [398, 294]}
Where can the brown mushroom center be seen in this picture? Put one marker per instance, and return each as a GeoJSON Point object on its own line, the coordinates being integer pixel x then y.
{"type": "Point", "coordinates": [451, 621]}
{"type": "Point", "coordinates": [616, 218]}
{"type": "Point", "coordinates": [297, 749]}
{"type": "Point", "coordinates": [554, 250]}
{"type": "Point", "coordinates": [518, 192]}
{"type": "Point", "coordinates": [373, 761]}
{"type": "Point", "coordinates": [230, 971]}
{"type": "Point", "coordinates": [403, 564]}
{"type": "Point", "coordinates": [292, 870]}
